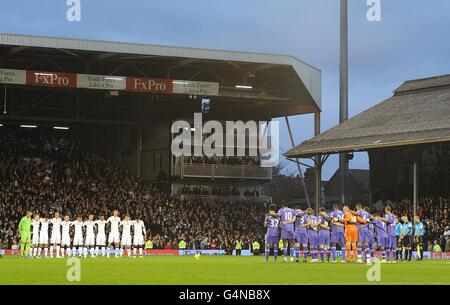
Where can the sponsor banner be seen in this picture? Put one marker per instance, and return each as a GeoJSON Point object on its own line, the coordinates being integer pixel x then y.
{"type": "Point", "coordinates": [441, 255]}
{"type": "Point", "coordinates": [161, 252]}
{"type": "Point", "coordinates": [244, 252]}
{"type": "Point", "coordinates": [9, 76]}
{"type": "Point", "coordinates": [102, 82]}
{"type": "Point", "coordinates": [52, 79]}
{"type": "Point", "coordinates": [195, 88]}
{"type": "Point", "coordinates": [149, 85]}
{"type": "Point", "coordinates": [202, 252]}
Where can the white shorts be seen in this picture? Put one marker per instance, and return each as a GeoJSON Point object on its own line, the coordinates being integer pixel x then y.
{"type": "Point", "coordinates": [114, 237]}
{"type": "Point", "coordinates": [126, 240]}
{"type": "Point", "coordinates": [55, 238]}
{"type": "Point", "coordinates": [90, 240]}
{"type": "Point", "coordinates": [78, 240]}
{"type": "Point", "coordinates": [101, 240]}
{"type": "Point", "coordinates": [65, 240]}
{"type": "Point", "coordinates": [35, 239]}
{"type": "Point", "coordinates": [138, 240]}
{"type": "Point", "coordinates": [43, 238]}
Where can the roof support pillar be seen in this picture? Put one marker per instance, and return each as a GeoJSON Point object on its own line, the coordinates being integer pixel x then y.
{"type": "Point", "coordinates": [415, 186]}
{"type": "Point", "coordinates": [318, 167]}
{"type": "Point", "coordinates": [298, 164]}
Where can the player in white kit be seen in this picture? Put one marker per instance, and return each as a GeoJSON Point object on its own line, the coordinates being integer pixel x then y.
{"type": "Point", "coordinates": [55, 238]}
{"type": "Point", "coordinates": [43, 236]}
{"type": "Point", "coordinates": [126, 235]}
{"type": "Point", "coordinates": [114, 235]}
{"type": "Point", "coordinates": [139, 237]}
{"type": "Point", "coordinates": [65, 235]}
{"type": "Point", "coordinates": [101, 236]}
{"type": "Point", "coordinates": [90, 236]}
{"type": "Point", "coordinates": [35, 236]}
{"type": "Point", "coordinates": [77, 243]}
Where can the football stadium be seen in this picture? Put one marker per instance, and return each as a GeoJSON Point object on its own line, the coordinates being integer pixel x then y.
{"type": "Point", "coordinates": [129, 163]}
{"type": "Point", "coordinates": [86, 161]}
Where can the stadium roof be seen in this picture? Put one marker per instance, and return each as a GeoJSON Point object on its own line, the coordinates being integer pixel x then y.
{"type": "Point", "coordinates": [417, 113]}
{"type": "Point", "coordinates": [281, 84]}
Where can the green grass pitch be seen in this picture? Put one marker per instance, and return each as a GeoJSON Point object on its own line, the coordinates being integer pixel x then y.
{"type": "Point", "coordinates": [215, 270]}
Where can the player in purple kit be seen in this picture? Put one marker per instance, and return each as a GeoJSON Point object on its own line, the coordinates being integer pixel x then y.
{"type": "Point", "coordinates": [391, 246]}
{"type": "Point", "coordinates": [370, 250]}
{"type": "Point", "coordinates": [337, 231]}
{"type": "Point", "coordinates": [271, 222]}
{"type": "Point", "coordinates": [363, 231]}
{"type": "Point", "coordinates": [382, 237]}
{"type": "Point", "coordinates": [324, 237]}
{"type": "Point", "coordinates": [287, 218]}
{"type": "Point", "coordinates": [301, 235]}
{"type": "Point", "coordinates": [313, 233]}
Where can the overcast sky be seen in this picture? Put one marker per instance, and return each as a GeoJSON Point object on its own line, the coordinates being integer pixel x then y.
{"type": "Point", "coordinates": [411, 41]}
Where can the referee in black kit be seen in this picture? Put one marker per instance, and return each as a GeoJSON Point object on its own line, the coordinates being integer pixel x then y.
{"type": "Point", "coordinates": [418, 237]}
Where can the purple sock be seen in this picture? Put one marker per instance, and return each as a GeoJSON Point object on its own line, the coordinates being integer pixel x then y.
{"type": "Point", "coordinates": [275, 253]}
{"type": "Point", "coordinates": [388, 254]}
{"type": "Point", "coordinates": [322, 254]}
{"type": "Point", "coordinates": [297, 252]}
{"type": "Point", "coordinates": [267, 251]}
{"type": "Point", "coordinates": [305, 252]}
{"type": "Point", "coordinates": [333, 251]}
{"type": "Point", "coordinates": [284, 251]}
{"type": "Point", "coordinates": [292, 252]}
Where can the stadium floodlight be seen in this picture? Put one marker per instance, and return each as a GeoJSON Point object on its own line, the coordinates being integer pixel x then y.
{"type": "Point", "coordinates": [244, 87]}
{"type": "Point", "coordinates": [28, 126]}
{"type": "Point", "coordinates": [60, 127]}
{"type": "Point", "coordinates": [1, 125]}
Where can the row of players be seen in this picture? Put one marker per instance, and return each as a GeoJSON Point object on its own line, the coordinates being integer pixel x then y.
{"type": "Point", "coordinates": [94, 239]}
{"type": "Point", "coordinates": [354, 231]}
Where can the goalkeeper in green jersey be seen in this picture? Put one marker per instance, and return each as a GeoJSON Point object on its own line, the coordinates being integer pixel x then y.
{"type": "Point", "coordinates": [25, 234]}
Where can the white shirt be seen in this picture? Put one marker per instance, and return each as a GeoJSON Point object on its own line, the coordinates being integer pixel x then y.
{"type": "Point", "coordinates": [101, 226]}
{"type": "Point", "coordinates": [35, 224]}
{"type": "Point", "coordinates": [78, 227]}
{"type": "Point", "coordinates": [56, 225]}
{"type": "Point", "coordinates": [114, 220]}
{"type": "Point", "coordinates": [66, 227]}
{"type": "Point", "coordinates": [89, 227]}
{"type": "Point", "coordinates": [139, 227]}
{"type": "Point", "coordinates": [44, 226]}
{"type": "Point", "coordinates": [126, 227]}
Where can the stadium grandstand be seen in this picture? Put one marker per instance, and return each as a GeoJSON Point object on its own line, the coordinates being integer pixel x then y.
{"type": "Point", "coordinates": [85, 128]}
{"type": "Point", "coordinates": [407, 138]}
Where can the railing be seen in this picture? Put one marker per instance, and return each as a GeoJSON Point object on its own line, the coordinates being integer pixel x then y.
{"type": "Point", "coordinates": [231, 198]}
{"type": "Point", "coordinates": [221, 171]}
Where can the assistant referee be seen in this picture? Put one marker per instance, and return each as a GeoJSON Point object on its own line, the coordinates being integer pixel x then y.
{"type": "Point", "coordinates": [418, 237]}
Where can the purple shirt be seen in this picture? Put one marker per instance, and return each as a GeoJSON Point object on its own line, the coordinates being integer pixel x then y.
{"type": "Point", "coordinates": [313, 219]}
{"type": "Point", "coordinates": [390, 224]}
{"type": "Point", "coordinates": [366, 216]}
{"type": "Point", "coordinates": [300, 220]}
{"type": "Point", "coordinates": [324, 222]}
{"type": "Point", "coordinates": [272, 225]}
{"type": "Point", "coordinates": [339, 215]}
{"type": "Point", "coordinates": [286, 214]}
{"type": "Point", "coordinates": [381, 227]}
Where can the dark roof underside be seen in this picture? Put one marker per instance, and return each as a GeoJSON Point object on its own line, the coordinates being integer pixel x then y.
{"type": "Point", "coordinates": [418, 113]}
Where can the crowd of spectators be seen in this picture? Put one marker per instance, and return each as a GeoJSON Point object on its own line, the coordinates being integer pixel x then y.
{"type": "Point", "coordinates": [204, 190]}
{"type": "Point", "coordinates": [45, 174]}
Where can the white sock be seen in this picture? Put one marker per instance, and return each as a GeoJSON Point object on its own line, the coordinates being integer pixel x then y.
{"type": "Point", "coordinates": [58, 249]}
{"type": "Point", "coordinates": [96, 250]}
{"type": "Point", "coordinates": [51, 251]}
{"type": "Point", "coordinates": [103, 251]}
{"type": "Point", "coordinates": [108, 250]}
{"type": "Point", "coordinates": [39, 251]}
{"type": "Point", "coordinates": [45, 251]}
{"type": "Point", "coordinates": [134, 251]}
{"type": "Point", "coordinates": [141, 251]}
